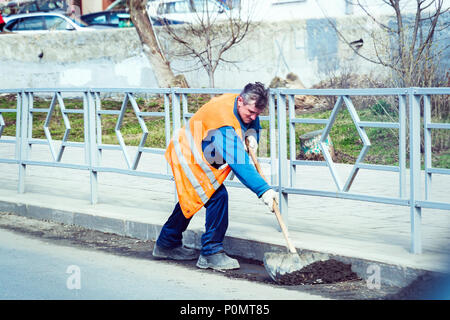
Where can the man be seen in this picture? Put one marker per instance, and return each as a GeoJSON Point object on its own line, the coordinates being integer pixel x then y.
{"type": "Point", "coordinates": [201, 156]}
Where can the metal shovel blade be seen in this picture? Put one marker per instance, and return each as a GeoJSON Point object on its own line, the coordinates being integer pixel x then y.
{"type": "Point", "coordinates": [279, 264]}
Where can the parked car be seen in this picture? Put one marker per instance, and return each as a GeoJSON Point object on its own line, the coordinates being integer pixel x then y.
{"type": "Point", "coordinates": [33, 22]}
{"type": "Point", "coordinates": [117, 19]}
{"type": "Point", "coordinates": [191, 11]}
{"type": "Point", "coordinates": [21, 7]}
{"type": "Point", "coordinates": [121, 6]}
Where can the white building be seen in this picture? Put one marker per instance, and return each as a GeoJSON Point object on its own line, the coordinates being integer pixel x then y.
{"type": "Point", "coordinates": [268, 10]}
{"type": "Point", "coordinates": [276, 10]}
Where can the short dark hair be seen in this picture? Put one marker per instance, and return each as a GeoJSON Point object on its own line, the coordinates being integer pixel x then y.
{"type": "Point", "coordinates": [255, 92]}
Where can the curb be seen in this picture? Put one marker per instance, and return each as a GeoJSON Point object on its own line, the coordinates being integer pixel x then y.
{"type": "Point", "coordinates": [388, 274]}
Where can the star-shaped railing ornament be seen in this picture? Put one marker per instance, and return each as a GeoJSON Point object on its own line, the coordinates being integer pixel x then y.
{"type": "Point", "coordinates": [130, 98]}
{"type": "Point", "coordinates": [362, 134]}
{"type": "Point", "coordinates": [57, 98]}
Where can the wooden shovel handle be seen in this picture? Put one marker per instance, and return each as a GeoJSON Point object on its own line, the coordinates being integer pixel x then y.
{"type": "Point", "coordinates": [275, 204]}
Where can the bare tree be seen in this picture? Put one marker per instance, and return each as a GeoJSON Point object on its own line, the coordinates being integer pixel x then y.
{"type": "Point", "coordinates": [161, 66]}
{"type": "Point", "coordinates": [212, 32]}
{"type": "Point", "coordinates": [407, 48]}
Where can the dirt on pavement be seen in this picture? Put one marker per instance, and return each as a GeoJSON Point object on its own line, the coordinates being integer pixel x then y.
{"type": "Point", "coordinates": [328, 271]}
{"type": "Point", "coordinates": [330, 279]}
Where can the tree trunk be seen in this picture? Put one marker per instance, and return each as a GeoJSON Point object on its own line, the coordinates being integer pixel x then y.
{"type": "Point", "coordinates": [161, 67]}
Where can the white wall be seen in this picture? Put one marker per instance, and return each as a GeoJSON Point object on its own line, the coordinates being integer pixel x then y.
{"type": "Point", "coordinates": [100, 58]}
{"type": "Point", "coordinates": [114, 58]}
{"type": "Point", "coordinates": [278, 10]}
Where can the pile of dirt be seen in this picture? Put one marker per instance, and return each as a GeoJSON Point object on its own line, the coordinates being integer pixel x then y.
{"type": "Point", "coordinates": [329, 271]}
{"type": "Point", "coordinates": [303, 103]}
{"type": "Point", "coordinates": [337, 157]}
{"type": "Point", "coordinates": [311, 157]}
{"type": "Point", "coordinates": [8, 97]}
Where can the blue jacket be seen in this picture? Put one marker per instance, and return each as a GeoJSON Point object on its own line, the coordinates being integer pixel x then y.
{"type": "Point", "coordinates": [223, 146]}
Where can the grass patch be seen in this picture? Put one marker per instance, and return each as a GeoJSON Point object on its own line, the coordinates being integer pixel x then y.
{"type": "Point", "coordinates": [345, 138]}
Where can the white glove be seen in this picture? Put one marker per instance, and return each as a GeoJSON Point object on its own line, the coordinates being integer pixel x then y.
{"type": "Point", "coordinates": [268, 198]}
{"type": "Point", "coordinates": [252, 143]}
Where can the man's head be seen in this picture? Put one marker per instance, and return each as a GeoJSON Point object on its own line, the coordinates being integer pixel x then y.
{"type": "Point", "coordinates": [252, 101]}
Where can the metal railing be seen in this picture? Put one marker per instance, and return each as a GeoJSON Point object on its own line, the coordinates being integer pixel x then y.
{"type": "Point", "coordinates": [282, 121]}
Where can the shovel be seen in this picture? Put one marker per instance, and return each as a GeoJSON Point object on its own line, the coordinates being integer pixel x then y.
{"type": "Point", "coordinates": [279, 264]}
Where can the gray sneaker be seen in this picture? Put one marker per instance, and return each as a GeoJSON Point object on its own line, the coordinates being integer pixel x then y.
{"type": "Point", "coordinates": [178, 253]}
{"type": "Point", "coordinates": [218, 261]}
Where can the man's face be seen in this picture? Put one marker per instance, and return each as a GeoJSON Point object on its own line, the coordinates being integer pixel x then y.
{"type": "Point", "coordinates": [247, 112]}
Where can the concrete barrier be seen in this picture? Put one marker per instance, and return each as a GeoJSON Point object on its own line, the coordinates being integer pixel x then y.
{"type": "Point", "coordinates": [114, 57]}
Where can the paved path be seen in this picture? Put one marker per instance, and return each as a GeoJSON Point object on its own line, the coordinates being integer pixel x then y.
{"type": "Point", "coordinates": [348, 228]}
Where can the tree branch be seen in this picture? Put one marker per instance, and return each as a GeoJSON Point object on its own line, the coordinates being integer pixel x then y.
{"type": "Point", "coordinates": [215, 37]}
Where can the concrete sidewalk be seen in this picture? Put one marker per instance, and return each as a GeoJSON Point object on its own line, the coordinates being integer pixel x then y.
{"type": "Point", "coordinates": [360, 233]}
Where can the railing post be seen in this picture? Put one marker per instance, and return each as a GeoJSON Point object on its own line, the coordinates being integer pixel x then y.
{"type": "Point", "coordinates": [282, 157]}
{"type": "Point", "coordinates": [176, 123]}
{"type": "Point", "coordinates": [415, 167]}
{"type": "Point", "coordinates": [402, 145]}
{"type": "Point", "coordinates": [167, 125]}
{"type": "Point", "coordinates": [292, 155]}
{"type": "Point", "coordinates": [273, 141]}
{"type": "Point", "coordinates": [18, 125]}
{"type": "Point", "coordinates": [176, 110]}
{"type": "Point", "coordinates": [98, 122]}
{"type": "Point", "coordinates": [91, 142]}
{"type": "Point", "coordinates": [22, 139]}
{"type": "Point", "coordinates": [427, 144]}
{"type": "Point", "coordinates": [184, 103]}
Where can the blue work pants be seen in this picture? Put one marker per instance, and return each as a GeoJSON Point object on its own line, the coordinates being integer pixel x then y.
{"type": "Point", "coordinates": [216, 225]}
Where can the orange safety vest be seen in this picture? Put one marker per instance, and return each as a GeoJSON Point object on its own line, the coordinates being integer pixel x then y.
{"type": "Point", "coordinates": [196, 180]}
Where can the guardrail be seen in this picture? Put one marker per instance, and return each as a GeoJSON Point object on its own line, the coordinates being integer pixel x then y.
{"type": "Point", "coordinates": [282, 121]}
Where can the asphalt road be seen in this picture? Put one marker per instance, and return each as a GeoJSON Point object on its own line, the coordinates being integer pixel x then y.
{"type": "Point", "coordinates": [49, 260]}
{"type": "Point", "coordinates": [36, 269]}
